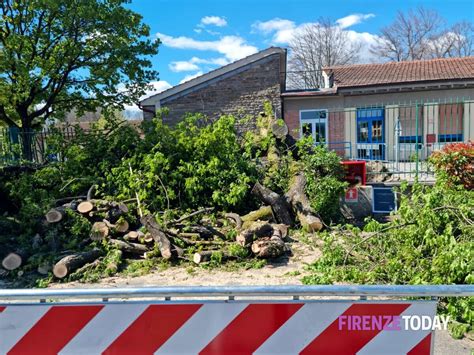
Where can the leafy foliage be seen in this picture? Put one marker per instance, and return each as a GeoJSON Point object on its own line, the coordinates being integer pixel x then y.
{"type": "Point", "coordinates": [455, 164]}
{"type": "Point", "coordinates": [324, 183]}
{"type": "Point", "coordinates": [430, 242]}
{"type": "Point", "coordinates": [188, 166]}
{"type": "Point", "coordinates": [70, 55]}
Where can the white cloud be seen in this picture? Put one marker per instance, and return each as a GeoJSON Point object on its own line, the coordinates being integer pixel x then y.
{"type": "Point", "coordinates": [283, 30]}
{"type": "Point", "coordinates": [191, 76]}
{"type": "Point", "coordinates": [353, 19]}
{"type": "Point", "coordinates": [214, 20]}
{"type": "Point", "coordinates": [367, 40]}
{"type": "Point", "coordinates": [180, 66]}
{"type": "Point", "coordinates": [232, 47]}
{"type": "Point", "coordinates": [192, 64]}
{"type": "Point", "coordinates": [276, 24]}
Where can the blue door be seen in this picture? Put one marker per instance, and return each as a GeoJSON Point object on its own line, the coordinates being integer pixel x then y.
{"type": "Point", "coordinates": [370, 134]}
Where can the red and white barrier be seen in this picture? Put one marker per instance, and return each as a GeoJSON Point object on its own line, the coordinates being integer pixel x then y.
{"type": "Point", "coordinates": [211, 328]}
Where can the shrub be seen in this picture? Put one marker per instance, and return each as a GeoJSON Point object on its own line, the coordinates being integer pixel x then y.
{"type": "Point", "coordinates": [455, 164]}
{"type": "Point", "coordinates": [430, 242]}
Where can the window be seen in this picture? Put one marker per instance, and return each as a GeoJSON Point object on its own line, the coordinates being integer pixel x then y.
{"type": "Point", "coordinates": [410, 132]}
{"type": "Point", "coordinates": [450, 123]}
{"type": "Point", "coordinates": [313, 123]}
{"type": "Point", "coordinates": [370, 133]}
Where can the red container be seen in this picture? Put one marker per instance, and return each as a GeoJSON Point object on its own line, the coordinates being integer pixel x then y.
{"type": "Point", "coordinates": [355, 171]}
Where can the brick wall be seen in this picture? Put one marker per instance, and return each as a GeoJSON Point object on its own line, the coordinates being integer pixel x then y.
{"type": "Point", "coordinates": [292, 120]}
{"type": "Point", "coordinates": [240, 94]}
{"type": "Point", "coordinates": [336, 132]}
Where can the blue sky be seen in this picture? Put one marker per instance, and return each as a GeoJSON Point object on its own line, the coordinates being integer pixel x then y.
{"type": "Point", "coordinates": [199, 36]}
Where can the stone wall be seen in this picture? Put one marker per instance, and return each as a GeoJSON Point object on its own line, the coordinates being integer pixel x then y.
{"type": "Point", "coordinates": [240, 94]}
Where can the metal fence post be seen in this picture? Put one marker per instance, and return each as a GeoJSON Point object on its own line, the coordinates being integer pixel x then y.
{"type": "Point", "coordinates": [417, 148]}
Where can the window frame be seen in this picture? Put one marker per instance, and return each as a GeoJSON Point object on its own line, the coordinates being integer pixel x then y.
{"type": "Point", "coordinates": [313, 121]}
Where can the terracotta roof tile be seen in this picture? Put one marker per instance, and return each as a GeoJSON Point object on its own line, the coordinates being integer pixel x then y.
{"type": "Point", "coordinates": [402, 72]}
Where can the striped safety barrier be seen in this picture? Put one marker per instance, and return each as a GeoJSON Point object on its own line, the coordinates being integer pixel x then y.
{"type": "Point", "coordinates": [215, 327]}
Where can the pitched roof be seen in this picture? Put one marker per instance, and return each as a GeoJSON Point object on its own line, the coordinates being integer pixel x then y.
{"type": "Point", "coordinates": [402, 72]}
{"type": "Point", "coordinates": [214, 74]}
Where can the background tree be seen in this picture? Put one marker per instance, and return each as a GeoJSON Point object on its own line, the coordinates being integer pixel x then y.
{"type": "Point", "coordinates": [56, 56]}
{"type": "Point", "coordinates": [423, 34]}
{"type": "Point", "coordinates": [316, 46]}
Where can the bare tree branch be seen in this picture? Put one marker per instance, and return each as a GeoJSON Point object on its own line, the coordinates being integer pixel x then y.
{"type": "Point", "coordinates": [316, 46]}
{"type": "Point", "coordinates": [423, 34]}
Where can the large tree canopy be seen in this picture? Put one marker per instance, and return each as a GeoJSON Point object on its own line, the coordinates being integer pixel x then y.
{"type": "Point", "coordinates": [56, 56]}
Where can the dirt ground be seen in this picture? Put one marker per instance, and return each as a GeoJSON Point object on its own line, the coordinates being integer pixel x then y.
{"type": "Point", "coordinates": [288, 272]}
{"type": "Point", "coordinates": [285, 272]}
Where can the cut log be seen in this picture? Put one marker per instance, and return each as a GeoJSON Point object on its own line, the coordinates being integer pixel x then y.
{"type": "Point", "coordinates": [72, 262]}
{"type": "Point", "coordinates": [131, 236]}
{"type": "Point", "coordinates": [99, 231]}
{"type": "Point", "coordinates": [14, 260]}
{"type": "Point", "coordinates": [87, 267]}
{"type": "Point", "coordinates": [130, 248]}
{"type": "Point", "coordinates": [300, 202]}
{"type": "Point", "coordinates": [264, 213]}
{"type": "Point", "coordinates": [55, 215]}
{"type": "Point", "coordinates": [158, 236]}
{"type": "Point", "coordinates": [122, 226]}
{"type": "Point", "coordinates": [205, 256]}
{"type": "Point", "coordinates": [147, 238]}
{"type": "Point", "coordinates": [112, 267]}
{"type": "Point", "coordinates": [85, 207]}
{"type": "Point", "coordinates": [279, 129]}
{"type": "Point", "coordinates": [269, 248]}
{"type": "Point", "coordinates": [256, 230]}
{"type": "Point", "coordinates": [234, 217]}
{"type": "Point", "coordinates": [279, 205]}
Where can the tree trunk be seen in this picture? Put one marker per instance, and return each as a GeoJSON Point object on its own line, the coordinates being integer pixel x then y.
{"type": "Point", "coordinates": [130, 248]}
{"type": "Point", "coordinates": [256, 230]}
{"type": "Point", "coordinates": [234, 217]}
{"type": "Point", "coordinates": [69, 263]}
{"type": "Point", "coordinates": [279, 205]}
{"type": "Point", "coordinates": [158, 235]}
{"type": "Point", "coordinates": [269, 248]}
{"type": "Point", "coordinates": [263, 213]}
{"type": "Point", "coordinates": [26, 137]}
{"type": "Point", "coordinates": [301, 204]}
